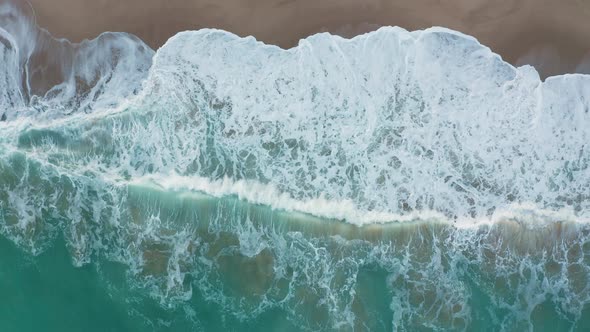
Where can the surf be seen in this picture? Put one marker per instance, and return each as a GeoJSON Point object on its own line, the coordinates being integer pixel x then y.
{"type": "Point", "coordinates": [221, 170]}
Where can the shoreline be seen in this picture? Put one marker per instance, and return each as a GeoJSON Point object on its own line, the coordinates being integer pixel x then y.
{"type": "Point", "coordinates": [555, 38]}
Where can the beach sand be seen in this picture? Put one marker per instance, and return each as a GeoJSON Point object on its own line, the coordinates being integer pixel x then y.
{"type": "Point", "coordinates": [552, 35]}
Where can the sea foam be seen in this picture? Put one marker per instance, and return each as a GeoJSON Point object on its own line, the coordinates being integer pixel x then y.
{"type": "Point", "coordinates": [393, 123]}
{"type": "Point", "coordinates": [193, 174]}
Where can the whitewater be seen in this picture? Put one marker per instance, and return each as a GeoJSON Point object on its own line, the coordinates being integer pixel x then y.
{"type": "Point", "coordinates": [393, 181]}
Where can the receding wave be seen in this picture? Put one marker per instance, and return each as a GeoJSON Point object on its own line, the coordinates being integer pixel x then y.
{"type": "Point", "coordinates": [53, 77]}
{"type": "Point", "coordinates": [239, 173]}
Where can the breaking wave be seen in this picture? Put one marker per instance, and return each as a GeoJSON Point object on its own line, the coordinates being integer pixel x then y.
{"type": "Point", "coordinates": [219, 155]}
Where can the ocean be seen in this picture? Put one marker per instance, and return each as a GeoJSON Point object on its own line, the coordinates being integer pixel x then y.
{"type": "Point", "coordinates": [395, 181]}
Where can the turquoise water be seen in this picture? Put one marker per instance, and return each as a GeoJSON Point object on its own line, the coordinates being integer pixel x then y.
{"type": "Point", "coordinates": [295, 273]}
{"type": "Point", "coordinates": [48, 293]}
{"type": "Point", "coordinates": [397, 181]}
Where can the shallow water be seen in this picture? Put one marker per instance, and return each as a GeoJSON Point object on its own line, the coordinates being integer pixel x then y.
{"type": "Point", "coordinates": [408, 181]}
{"type": "Point", "coordinates": [299, 273]}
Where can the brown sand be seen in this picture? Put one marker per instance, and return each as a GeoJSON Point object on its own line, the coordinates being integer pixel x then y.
{"type": "Point", "coordinates": [554, 35]}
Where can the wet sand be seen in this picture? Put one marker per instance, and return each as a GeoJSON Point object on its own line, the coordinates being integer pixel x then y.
{"type": "Point", "coordinates": [553, 35]}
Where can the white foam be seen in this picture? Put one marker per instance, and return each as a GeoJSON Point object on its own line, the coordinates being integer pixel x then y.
{"type": "Point", "coordinates": [388, 125]}
{"type": "Point", "coordinates": [258, 193]}
{"type": "Point", "coordinates": [391, 126]}
{"type": "Point", "coordinates": [391, 121]}
{"type": "Point", "coordinates": [527, 215]}
{"type": "Point", "coordinates": [10, 95]}
{"type": "Point", "coordinates": [55, 78]}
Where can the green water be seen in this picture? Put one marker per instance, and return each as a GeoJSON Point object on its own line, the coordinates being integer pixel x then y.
{"type": "Point", "coordinates": [46, 293]}
{"type": "Point", "coordinates": [139, 257]}
{"type": "Point", "coordinates": [226, 194]}
{"type": "Point", "coordinates": [308, 270]}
